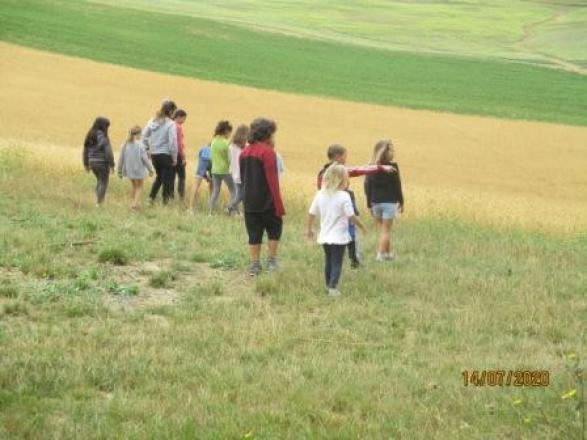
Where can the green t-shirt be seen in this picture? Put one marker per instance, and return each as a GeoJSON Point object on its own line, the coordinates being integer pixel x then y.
{"type": "Point", "coordinates": [220, 157]}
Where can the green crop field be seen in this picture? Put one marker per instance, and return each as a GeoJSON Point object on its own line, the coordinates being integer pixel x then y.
{"type": "Point", "coordinates": [211, 50]}
{"type": "Point", "coordinates": [542, 32]}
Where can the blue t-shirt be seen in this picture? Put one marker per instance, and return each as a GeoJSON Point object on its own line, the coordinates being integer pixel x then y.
{"type": "Point", "coordinates": [205, 153]}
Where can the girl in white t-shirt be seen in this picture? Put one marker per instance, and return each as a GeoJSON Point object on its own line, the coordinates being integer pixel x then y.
{"type": "Point", "coordinates": [334, 207]}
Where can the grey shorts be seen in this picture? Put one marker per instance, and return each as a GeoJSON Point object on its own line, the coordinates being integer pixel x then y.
{"type": "Point", "coordinates": [384, 211]}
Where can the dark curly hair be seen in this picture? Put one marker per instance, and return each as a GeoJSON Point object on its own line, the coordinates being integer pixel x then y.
{"type": "Point", "coordinates": [223, 128]}
{"type": "Point", "coordinates": [261, 130]}
{"type": "Point", "coordinates": [100, 124]}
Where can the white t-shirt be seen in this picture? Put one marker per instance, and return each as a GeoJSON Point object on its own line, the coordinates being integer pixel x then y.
{"type": "Point", "coordinates": [235, 170]}
{"type": "Point", "coordinates": [334, 210]}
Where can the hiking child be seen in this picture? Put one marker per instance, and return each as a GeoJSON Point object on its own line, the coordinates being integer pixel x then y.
{"type": "Point", "coordinates": [334, 206]}
{"type": "Point", "coordinates": [220, 163]}
{"type": "Point", "coordinates": [203, 172]}
{"type": "Point", "coordinates": [98, 157]}
{"type": "Point", "coordinates": [264, 209]}
{"type": "Point", "coordinates": [160, 138]}
{"type": "Point", "coordinates": [239, 140]}
{"type": "Point", "coordinates": [179, 118]}
{"type": "Point", "coordinates": [134, 164]}
{"type": "Point", "coordinates": [384, 197]}
{"type": "Point", "coordinates": [338, 154]}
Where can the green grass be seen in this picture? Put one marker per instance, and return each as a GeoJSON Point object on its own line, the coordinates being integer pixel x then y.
{"type": "Point", "coordinates": [83, 355]}
{"type": "Point", "coordinates": [221, 52]}
{"type": "Point", "coordinates": [532, 31]}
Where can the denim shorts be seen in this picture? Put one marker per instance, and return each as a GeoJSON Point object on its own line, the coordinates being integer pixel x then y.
{"type": "Point", "coordinates": [203, 166]}
{"type": "Point", "coordinates": [384, 211]}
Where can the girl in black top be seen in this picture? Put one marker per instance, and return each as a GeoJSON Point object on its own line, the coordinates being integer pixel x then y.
{"type": "Point", "coordinates": [384, 197]}
{"type": "Point", "coordinates": [98, 156]}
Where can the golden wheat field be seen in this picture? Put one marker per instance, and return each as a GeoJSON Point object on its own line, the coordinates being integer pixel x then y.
{"type": "Point", "coordinates": [494, 171]}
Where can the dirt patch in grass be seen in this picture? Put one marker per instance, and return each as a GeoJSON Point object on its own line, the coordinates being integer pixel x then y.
{"type": "Point", "coordinates": [172, 281]}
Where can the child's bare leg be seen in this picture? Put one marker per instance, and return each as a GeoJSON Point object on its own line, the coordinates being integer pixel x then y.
{"type": "Point", "coordinates": [273, 246]}
{"type": "Point", "coordinates": [255, 251]}
{"type": "Point", "coordinates": [132, 193]}
{"type": "Point", "coordinates": [195, 193]}
{"type": "Point", "coordinates": [385, 226]}
{"type": "Point", "coordinates": [138, 191]}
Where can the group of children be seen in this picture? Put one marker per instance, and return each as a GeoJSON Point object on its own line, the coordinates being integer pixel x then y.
{"type": "Point", "coordinates": [249, 166]}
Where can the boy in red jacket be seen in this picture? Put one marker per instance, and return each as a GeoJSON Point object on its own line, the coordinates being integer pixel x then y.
{"type": "Point", "coordinates": [261, 195]}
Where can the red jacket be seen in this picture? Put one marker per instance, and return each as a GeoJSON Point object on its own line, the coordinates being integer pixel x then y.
{"type": "Point", "coordinates": [258, 166]}
{"type": "Point", "coordinates": [180, 143]}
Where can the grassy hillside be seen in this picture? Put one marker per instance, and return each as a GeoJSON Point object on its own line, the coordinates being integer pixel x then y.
{"type": "Point", "coordinates": [209, 50]}
{"type": "Point", "coordinates": [122, 325]}
{"type": "Point", "coordinates": [533, 31]}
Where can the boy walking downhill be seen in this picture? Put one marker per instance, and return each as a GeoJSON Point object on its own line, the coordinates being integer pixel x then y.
{"type": "Point", "coordinates": [385, 197]}
{"type": "Point", "coordinates": [264, 209]}
{"type": "Point", "coordinates": [334, 207]}
{"type": "Point", "coordinates": [179, 118]}
{"type": "Point", "coordinates": [98, 156]}
{"type": "Point", "coordinates": [337, 154]}
{"type": "Point", "coordinates": [134, 164]}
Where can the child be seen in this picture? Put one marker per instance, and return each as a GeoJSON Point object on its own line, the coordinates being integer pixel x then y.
{"type": "Point", "coordinates": [220, 163]}
{"type": "Point", "coordinates": [239, 140]}
{"type": "Point", "coordinates": [134, 164]}
{"type": "Point", "coordinates": [203, 172]}
{"type": "Point", "coordinates": [338, 154]}
{"type": "Point", "coordinates": [98, 156]}
{"type": "Point", "coordinates": [384, 197]}
{"type": "Point", "coordinates": [264, 209]}
{"type": "Point", "coordinates": [334, 206]}
{"type": "Point", "coordinates": [179, 118]}
{"type": "Point", "coordinates": [160, 138]}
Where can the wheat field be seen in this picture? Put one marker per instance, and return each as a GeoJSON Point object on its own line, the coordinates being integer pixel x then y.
{"type": "Point", "coordinates": [496, 172]}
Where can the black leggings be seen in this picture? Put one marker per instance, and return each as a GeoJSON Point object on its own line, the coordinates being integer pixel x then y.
{"type": "Point", "coordinates": [102, 173]}
{"type": "Point", "coordinates": [334, 254]}
{"type": "Point", "coordinates": [163, 164]}
{"type": "Point", "coordinates": [179, 171]}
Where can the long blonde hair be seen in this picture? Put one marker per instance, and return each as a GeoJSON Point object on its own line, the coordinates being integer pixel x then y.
{"type": "Point", "coordinates": [335, 178]}
{"type": "Point", "coordinates": [383, 152]}
{"type": "Point", "coordinates": [133, 133]}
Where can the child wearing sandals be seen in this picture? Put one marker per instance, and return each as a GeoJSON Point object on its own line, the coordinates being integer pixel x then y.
{"type": "Point", "coordinates": [334, 206]}
{"type": "Point", "coordinates": [134, 164]}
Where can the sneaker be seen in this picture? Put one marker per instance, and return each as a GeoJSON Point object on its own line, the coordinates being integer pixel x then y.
{"type": "Point", "coordinates": [333, 292]}
{"type": "Point", "coordinates": [389, 257]}
{"type": "Point", "coordinates": [380, 257]}
{"type": "Point", "coordinates": [255, 268]}
{"type": "Point", "coordinates": [272, 265]}
{"type": "Point", "coordinates": [355, 264]}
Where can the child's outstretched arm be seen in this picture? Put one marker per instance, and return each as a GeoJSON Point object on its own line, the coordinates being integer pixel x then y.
{"type": "Point", "coordinates": [369, 170]}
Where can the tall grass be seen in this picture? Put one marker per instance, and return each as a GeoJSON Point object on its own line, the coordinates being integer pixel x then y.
{"type": "Point", "coordinates": [221, 52]}
{"type": "Point", "coordinates": [234, 357]}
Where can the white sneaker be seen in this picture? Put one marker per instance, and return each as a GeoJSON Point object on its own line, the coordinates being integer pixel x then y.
{"type": "Point", "coordinates": [389, 257]}
{"type": "Point", "coordinates": [334, 292]}
{"type": "Point", "coordinates": [380, 257]}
